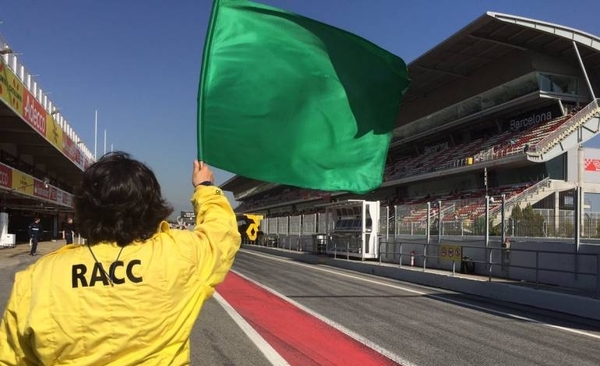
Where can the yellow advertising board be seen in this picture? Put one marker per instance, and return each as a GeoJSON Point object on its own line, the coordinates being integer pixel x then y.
{"type": "Point", "coordinates": [11, 88]}
{"type": "Point", "coordinates": [22, 182]}
{"type": "Point", "coordinates": [450, 252]}
{"type": "Point", "coordinates": [4, 95]}
{"type": "Point", "coordinates": [54, 133]}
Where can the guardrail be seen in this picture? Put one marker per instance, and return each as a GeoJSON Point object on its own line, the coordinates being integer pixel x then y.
{"type": "Point", "coordinates": [574, 121]}
{"type": "Point", "coordinates": [408, 256]}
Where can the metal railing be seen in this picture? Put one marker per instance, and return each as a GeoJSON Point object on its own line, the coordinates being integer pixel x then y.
{"type": "Point", "coordinates": [523, 196]}
{"type": "Point", "coordinates": [577, 119]}
{"type": "Point", "coordinates": [528, 261]}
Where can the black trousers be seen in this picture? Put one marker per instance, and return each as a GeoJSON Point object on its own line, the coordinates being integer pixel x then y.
{"type": "Point", "coordinates": [34, 243]}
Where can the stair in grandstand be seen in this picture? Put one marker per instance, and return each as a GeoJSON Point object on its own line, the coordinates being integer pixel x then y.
{"type": "Point", "coordinates": [531, 195]}
{"type": "Point", "coordinates": [567, 135]}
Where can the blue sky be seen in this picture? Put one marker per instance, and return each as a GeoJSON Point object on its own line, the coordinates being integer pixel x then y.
{"type": "Point", "coordinates": [138, 61]}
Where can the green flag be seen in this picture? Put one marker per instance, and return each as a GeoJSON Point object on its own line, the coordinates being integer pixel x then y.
{"type": "Point", "coordinates": [289, 100]}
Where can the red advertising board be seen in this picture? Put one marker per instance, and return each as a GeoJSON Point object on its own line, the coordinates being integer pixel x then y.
{"type": "Point", "coordinates": [72, 151]}
{"type": "Point", "coordinates": [34, 113]}
{"type": "Point", "coordinates": [5, 176]}
{"type": "Point", "coordinates": [592, 165]}
{"type": "Point", "coordinates": [53, 194]}
{"type": "Point", "coordinates": [40, 190]}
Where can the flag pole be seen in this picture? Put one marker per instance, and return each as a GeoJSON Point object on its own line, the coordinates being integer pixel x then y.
{"type": "Point", "coordinates": [205, 61]}
{"type": "Point", "coordinates": [95, 133]}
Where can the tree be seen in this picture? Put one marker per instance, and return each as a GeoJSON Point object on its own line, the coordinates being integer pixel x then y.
{"type": "Point", "coordinates": [527, 222]}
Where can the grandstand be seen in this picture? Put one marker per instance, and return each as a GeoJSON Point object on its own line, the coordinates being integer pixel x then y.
{"type": "Point", "coordinates": [499, 111]}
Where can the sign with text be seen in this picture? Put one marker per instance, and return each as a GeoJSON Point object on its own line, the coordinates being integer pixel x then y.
{"type": "Point", "coordinates": [22, 182]}
{"type": "Point", "coordinates": [53, 194]}
{"type": "Point", "coordinates": [11, 89]}
{"type": "Point", "coordinates": [450, 252]}
{"type": "Point", "coordinates": [26, 184]}
{"type": "Point", "coordinates": [54, 133]}
{"type": "Point", "coordinates": [188, 215]}
{"type": "Point", "coordinates": [14, 94]}
{"type": "Point", "coordinates": [40, 189]}
{"type": "Point", "coordinates": [71, 150]}
{"type": "Point", "coordinates": [34, 113]}
{"type": "Point", "coordinates": [5, 176]}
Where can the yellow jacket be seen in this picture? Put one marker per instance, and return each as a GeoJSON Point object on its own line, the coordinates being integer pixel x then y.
{"type": "Point", "coordinates": [63, 309]}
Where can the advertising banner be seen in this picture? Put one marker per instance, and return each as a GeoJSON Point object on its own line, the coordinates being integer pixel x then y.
{"type": "Point", "coordinates": [67, 199]}
{"type": "Point", "coordinates": [53, 194]}
{"type": "Point", "coordinates": [592, 165]}
{"type": "Point", "coordinates": [5, 176]}
{"type": "Point", "coordinates": [4, 95]}
{"type": "Point", "coordinates": [14, 94]}
{"type": "Point", "coordinates": [40, 189]}
{"type": "Point", "coordinates": [71, 150]}
{"type": "Point", "coordinates": [11, 89]}
{"type": "Point", "coordinates": [34, 113]}
{"type": "Point", "coordinates": [22, 182]}
{"type": "Point", "coordinates": [86, 163]}
{"type": "Point", "coordinates": [54, 133]}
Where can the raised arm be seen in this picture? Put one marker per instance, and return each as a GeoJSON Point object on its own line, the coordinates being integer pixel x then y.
{"type": "Point", "coordinates": [216, 226]}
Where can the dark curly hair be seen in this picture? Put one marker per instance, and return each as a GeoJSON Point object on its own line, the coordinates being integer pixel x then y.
{"type": "Point", "coordinates": [119, 200]}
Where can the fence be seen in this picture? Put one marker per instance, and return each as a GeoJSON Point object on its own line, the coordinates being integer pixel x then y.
{"type": "Point", "coordinates": [463, 218]}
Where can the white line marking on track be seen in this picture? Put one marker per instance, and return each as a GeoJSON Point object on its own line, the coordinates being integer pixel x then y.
{"type": "Point", "coordinates": [270, 353]}
{"type": "Point", "coordinates": [389, 354]}
{"type": "Point", "coordinates": [465, 304]}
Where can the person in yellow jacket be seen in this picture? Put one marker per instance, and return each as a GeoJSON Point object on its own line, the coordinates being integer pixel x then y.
{"type": "Point", "coordinates": [132, 294]}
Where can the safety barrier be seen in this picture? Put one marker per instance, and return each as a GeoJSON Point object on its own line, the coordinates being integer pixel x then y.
{"type": "Point", "coordinates": [577, 271]}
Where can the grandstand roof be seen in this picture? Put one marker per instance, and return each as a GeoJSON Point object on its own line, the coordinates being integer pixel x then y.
{"type": "Point", "coordinates": [481, 42]}
{"type": "Point", "coordinates": [486, 39]}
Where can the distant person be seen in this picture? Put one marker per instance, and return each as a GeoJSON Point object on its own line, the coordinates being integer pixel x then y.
{"type": "Point", "coordinates": [68, 231]}
{"type": "Point", "coordinates": [505, 253]}
{"type": "Point", "coordinates": [506, 245]}
{"type": "Point", "coordinates": [35, 234]}
{"type": "Point", "coordinates": [132, 294]}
